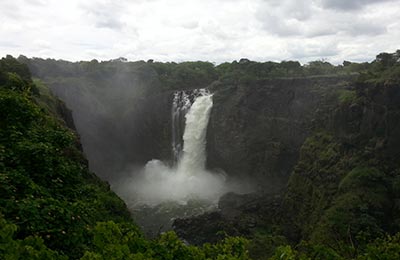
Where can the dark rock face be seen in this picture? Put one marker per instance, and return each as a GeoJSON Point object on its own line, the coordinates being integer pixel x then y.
{"type": "Point", "coordinates": [66, 115]}
{"type": "Point", "coordinates": [237, 215]}
{"type": "Point", "coordinates": [201, 229]}
{"type": "Point", "coordinates": [372, 121]}
{"type": "Point", "coordinates": [256, 129]}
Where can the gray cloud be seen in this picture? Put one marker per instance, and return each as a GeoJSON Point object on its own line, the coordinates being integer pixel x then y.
{"type": "Point", "coordinates": [313, 50]}
{"type": "Point", "coordinates": [190, 24]}
{"type": "Point", "coordinates": [214, 30]}
{"type": "Point", "coordinates": [349, 5]}
{"type": "Point", "coordinates": [108, 22]}
{"type": "Point", "coordinates": [36, 3]}
{"type": "Point", "coordinates": [346, 25]}
{"type": "Point", "coordinates": [365, 28]}
{"type": "Point", "coordinates": [7, 44]}
{"type": "Point", "coordinates": [292, 19]}
{"type": "Point", "coordinates": [106, 14]}
{"type": "Point", "coordinates": [280, 27]}
{"type": "Point", "coordinates": [10, 10]}
{"type": "Point", "coordinates": [281, 19]}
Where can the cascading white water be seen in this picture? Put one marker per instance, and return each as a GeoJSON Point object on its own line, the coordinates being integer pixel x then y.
{"type": "Point", "coordinates": [181, 103]}
{"type": "Point", "coordinates": [194, 139]}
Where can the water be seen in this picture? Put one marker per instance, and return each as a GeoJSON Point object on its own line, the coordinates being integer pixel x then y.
{"type": "Point", "coordinates": [181, 103]}
{"type": "Point", "coordinates": [193, 159]}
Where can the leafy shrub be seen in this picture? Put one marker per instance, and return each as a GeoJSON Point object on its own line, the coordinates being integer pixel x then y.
{"type": "Point", "coordinates": [347, 96]}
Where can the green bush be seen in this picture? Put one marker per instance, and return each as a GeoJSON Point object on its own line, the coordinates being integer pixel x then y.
{"type": "Point", "coordinates": [347, 96]}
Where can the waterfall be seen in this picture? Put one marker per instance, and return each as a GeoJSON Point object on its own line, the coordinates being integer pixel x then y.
{"type": "Point", "coordinates": [160, 192]}
{"type": "Point", "coordinates": [181, 103]}
{"type": "Point", "coordinates": [187, 179]}
{"type": "Point", "coordinates": [194, 139]}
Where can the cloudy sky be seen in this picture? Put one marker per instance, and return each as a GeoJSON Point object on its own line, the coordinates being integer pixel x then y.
{"type": "Point", "coordinates": [213, 30]}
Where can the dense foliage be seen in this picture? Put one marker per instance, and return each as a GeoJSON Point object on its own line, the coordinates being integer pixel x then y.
{"type": "Point", "coordinates": [186, 74]}
{"type": "Point", "coordinates": [51, 206]}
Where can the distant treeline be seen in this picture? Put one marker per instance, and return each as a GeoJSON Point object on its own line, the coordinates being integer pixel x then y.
{"type": "Point", "coordinates": [199, 73]}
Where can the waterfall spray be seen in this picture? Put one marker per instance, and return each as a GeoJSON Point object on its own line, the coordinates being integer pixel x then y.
{"type": "Point", "coordinates": [187, 178]}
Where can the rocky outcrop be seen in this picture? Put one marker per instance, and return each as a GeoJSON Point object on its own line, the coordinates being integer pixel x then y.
{"type": "Point", "coordinates": [371, 120]}
{"type": "Point", "coordinates": [65, 114]}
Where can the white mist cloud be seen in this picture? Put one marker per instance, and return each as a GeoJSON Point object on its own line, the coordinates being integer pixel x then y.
{"type": "Point", "coordinates": [157, 183]}
{"type": "Point", "coordinates": [213, 30]}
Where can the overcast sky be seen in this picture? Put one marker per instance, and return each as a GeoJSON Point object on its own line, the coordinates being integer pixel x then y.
{"type": "Point", "coordinates": [212, 30]}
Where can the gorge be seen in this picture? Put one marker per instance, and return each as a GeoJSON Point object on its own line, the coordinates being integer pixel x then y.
{"type": "Point", "coordinates": [302, 158]}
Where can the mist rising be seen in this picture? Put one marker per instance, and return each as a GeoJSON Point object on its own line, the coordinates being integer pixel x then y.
{"type": "Point", "coordinates": [158, 182]}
